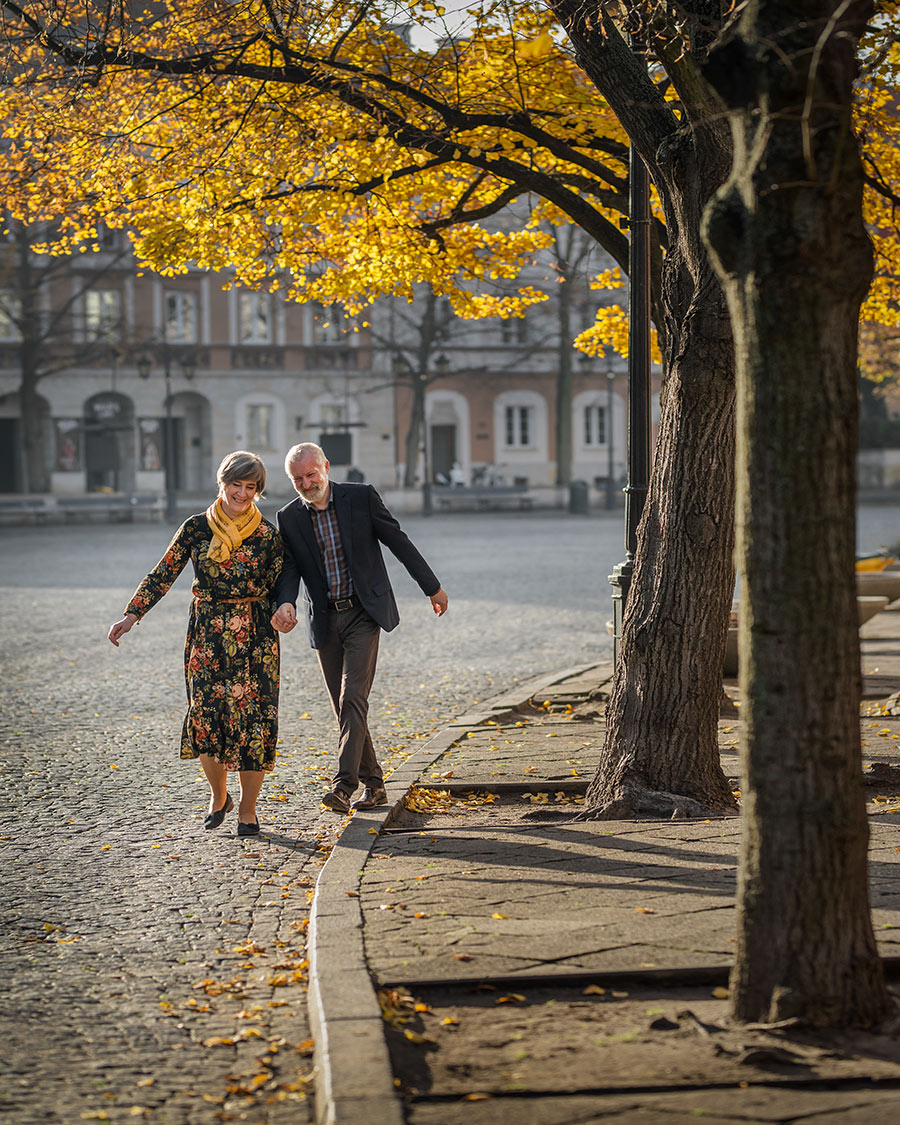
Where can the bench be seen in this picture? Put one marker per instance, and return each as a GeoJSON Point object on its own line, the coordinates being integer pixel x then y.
{"type": "Point", "coordinates": [482, 498]}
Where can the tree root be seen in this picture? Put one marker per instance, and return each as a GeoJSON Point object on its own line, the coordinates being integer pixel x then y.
{"type": "Point", "coordinates": [635, 800]}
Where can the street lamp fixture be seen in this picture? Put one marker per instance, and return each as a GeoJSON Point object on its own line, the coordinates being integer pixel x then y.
{"type": "Point", "coordinates": [188, 365]}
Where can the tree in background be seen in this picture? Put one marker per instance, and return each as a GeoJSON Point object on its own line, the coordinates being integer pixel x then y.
{"type": "Point", "coordinates": [46, 334]}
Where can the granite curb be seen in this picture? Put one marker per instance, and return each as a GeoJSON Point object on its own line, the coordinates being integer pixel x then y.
{"type": "Point", "coordinates": [354, 1078]}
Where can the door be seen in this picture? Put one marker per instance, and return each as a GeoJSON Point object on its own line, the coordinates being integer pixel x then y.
{"type": "Point", "coordinates": [10, 455]}
{"type": "Point", "coordinates": [443, 452]}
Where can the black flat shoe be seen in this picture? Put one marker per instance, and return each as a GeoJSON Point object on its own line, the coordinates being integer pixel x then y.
{"type": "Point", "coordinates": [215, 818]}
{"type": "Point", "coordinates": [248, 828]}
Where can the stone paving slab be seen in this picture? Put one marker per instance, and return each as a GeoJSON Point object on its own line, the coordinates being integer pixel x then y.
{"type": "Point", "coordinates": [546, 1040]}
{"type": "Point", "coordinates": [859, 1104]}
{"type": "Point", "coordinates": [568, 897]}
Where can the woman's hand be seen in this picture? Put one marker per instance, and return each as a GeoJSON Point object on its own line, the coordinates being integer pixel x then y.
{"type": "Point", "coordinates": [121, 628]}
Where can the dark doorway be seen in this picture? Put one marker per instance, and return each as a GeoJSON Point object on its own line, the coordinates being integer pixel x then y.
{"type": "Point", "coordinates": [443, 451]}
{"type": "Point", "coordinates": [109, 441]}
{"type": "Point", "coordinates": [10, 455]}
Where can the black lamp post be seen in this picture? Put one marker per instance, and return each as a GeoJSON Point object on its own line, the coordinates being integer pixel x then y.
{"type": "Point", "coordinates": [144, 364]}
{"type": "Point", "coordinates": [638, 428]}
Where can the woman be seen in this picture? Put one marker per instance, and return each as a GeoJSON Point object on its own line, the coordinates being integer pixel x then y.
{"type": "Point", "coordinates": [231, 650]}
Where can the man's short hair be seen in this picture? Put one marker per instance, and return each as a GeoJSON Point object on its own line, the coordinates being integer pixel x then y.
{"type": "Point", "coordinates": [241, 465]}
{"type": "Point", "coordinates": [301, 450]}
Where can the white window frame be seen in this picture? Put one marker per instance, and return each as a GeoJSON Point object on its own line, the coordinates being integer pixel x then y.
{"type": "Point", "coordinates": [10, 311]}
{"type": "Point", "coordinates": [595, 425]}
{"type": "Point", "coordinates": [256, 440]}
{"type": "Point", "coordinates": [184, 325]}
{"type": "Point", "coordinates": [103, 314]}
{"type": "Point", "coordinates": [277, 423]}
{"type": "Point", "coordinates": [254, 312]}
{"type": "Point", "coordinates": [537, 451]}
{"type": "Point", "coordinates": [519, 426]}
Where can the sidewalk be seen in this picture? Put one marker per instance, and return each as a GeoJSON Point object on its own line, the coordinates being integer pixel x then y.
{"type": "Point", "coordinates": [479, 955]}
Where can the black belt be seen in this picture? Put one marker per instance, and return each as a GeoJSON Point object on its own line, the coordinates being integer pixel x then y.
{"type": "Point", "coordinates": [343, 604]}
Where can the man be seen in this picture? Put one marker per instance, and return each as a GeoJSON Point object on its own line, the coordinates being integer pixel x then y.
{"type": "Point", "coordinates": [332, 545]}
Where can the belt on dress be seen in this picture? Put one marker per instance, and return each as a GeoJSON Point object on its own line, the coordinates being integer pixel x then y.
{"type": "Point", "coordinates": [230, 601]}
{"type": "Point", "coordinates": [343, 604]}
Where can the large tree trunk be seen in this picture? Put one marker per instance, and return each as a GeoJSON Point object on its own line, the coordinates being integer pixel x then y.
{"type": "Point", "coordinates": [795, 262]}
{"type": "Point", "coordinates": [661, 754]}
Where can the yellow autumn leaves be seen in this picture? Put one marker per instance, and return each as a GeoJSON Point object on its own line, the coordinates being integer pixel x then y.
{"type": "Point", "coordinates": [300, 177]}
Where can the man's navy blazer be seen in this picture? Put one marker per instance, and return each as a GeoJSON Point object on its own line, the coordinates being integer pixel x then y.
{"type": "Point", "coordinates": [365, 524]}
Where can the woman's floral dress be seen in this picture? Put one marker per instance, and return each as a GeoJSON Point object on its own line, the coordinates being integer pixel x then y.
{"type": "Point", "coordinates": [231, 650]}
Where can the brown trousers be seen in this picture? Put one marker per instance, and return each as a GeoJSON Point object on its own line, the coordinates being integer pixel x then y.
{"type": "Point", "coordinates": [347, 659]}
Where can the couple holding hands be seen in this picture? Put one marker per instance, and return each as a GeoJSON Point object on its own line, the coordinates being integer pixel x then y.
{"type": "Point", "coordinates": [328, 540]}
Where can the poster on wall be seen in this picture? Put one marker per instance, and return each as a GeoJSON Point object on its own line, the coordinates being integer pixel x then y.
{"type": "Point", "coordinates": [68, 445]}
{"type": "Point", "coordinates": [151, 444]}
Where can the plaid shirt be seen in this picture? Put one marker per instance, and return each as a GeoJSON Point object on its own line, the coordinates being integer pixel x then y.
{"type": "Point", "coordinates": [328, 536]}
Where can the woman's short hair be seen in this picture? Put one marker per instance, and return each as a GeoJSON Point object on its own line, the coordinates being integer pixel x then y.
{"type": "Point", "coordinates": [241, 465]}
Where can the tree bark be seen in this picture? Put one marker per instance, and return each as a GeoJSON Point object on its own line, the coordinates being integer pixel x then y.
{"type": "Point", "coordinates": [788, 236]}
{"type": "Point", "coordinates": [661, 753]}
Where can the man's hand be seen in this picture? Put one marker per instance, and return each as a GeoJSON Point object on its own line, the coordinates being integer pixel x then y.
{"type": "Point", "coordinates": [439, 603]}
{"type": "Point", "coordinates": [284, 618]}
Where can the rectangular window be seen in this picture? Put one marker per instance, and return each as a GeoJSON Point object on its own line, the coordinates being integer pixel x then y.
{"type": "Point", "coordinates": [328, 323]}
{"type": "Point", "coordinates": [108, 239]}
{"type": "Point", "coordinates": [181, 317]}
{"type": "Point", "coordinates": [332, 415]}
{"type": "Point", "coordinates": [254, 318]}
{"type": "Point", "coordinates": [103, 314]}
{"type": "Point", "coordinates": [595, 425]}
{"type": "Point", "coordinates": [259, 426]}
{"type": "Point", "coordinates": [514, 330]}
{"type": "Point", "coordinates": [519, 426]}
{"type": "Point", "coordinates": [10, 311]}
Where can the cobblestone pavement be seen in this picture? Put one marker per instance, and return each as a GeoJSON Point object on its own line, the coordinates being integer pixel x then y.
{"type": "Point", "coordinates": [154, 970]}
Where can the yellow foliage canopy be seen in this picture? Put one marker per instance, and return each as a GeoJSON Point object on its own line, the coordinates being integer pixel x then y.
{"type": "Point", "coordinates": [314, 148]}
{"type": "Point", "coordinates": [311, 148]}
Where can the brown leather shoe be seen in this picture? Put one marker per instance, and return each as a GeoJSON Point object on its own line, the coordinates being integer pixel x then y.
{"type": "Point", "coordinates": [337, 800]}
{"type": "Point", "coordinates": [370, 797]}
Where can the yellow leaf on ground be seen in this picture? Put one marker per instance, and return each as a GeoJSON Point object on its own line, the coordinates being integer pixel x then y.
{"type": "Point", "coordinates": [721, 993]}
{"type": "Point", "coordinates": [499, 915]}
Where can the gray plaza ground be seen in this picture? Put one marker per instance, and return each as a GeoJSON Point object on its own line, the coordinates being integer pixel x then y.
{"type": "Point", "coordinates": [155, 970]}
{"type": "Point", "coordinates": [152, 967]}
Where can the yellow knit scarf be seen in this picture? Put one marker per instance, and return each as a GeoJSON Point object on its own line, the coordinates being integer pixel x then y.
{"type": "Point", "coordinates": [228, 534]}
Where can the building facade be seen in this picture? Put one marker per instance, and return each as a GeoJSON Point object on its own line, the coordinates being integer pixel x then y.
{"type": "Point", "coordinates": [151, 380]}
